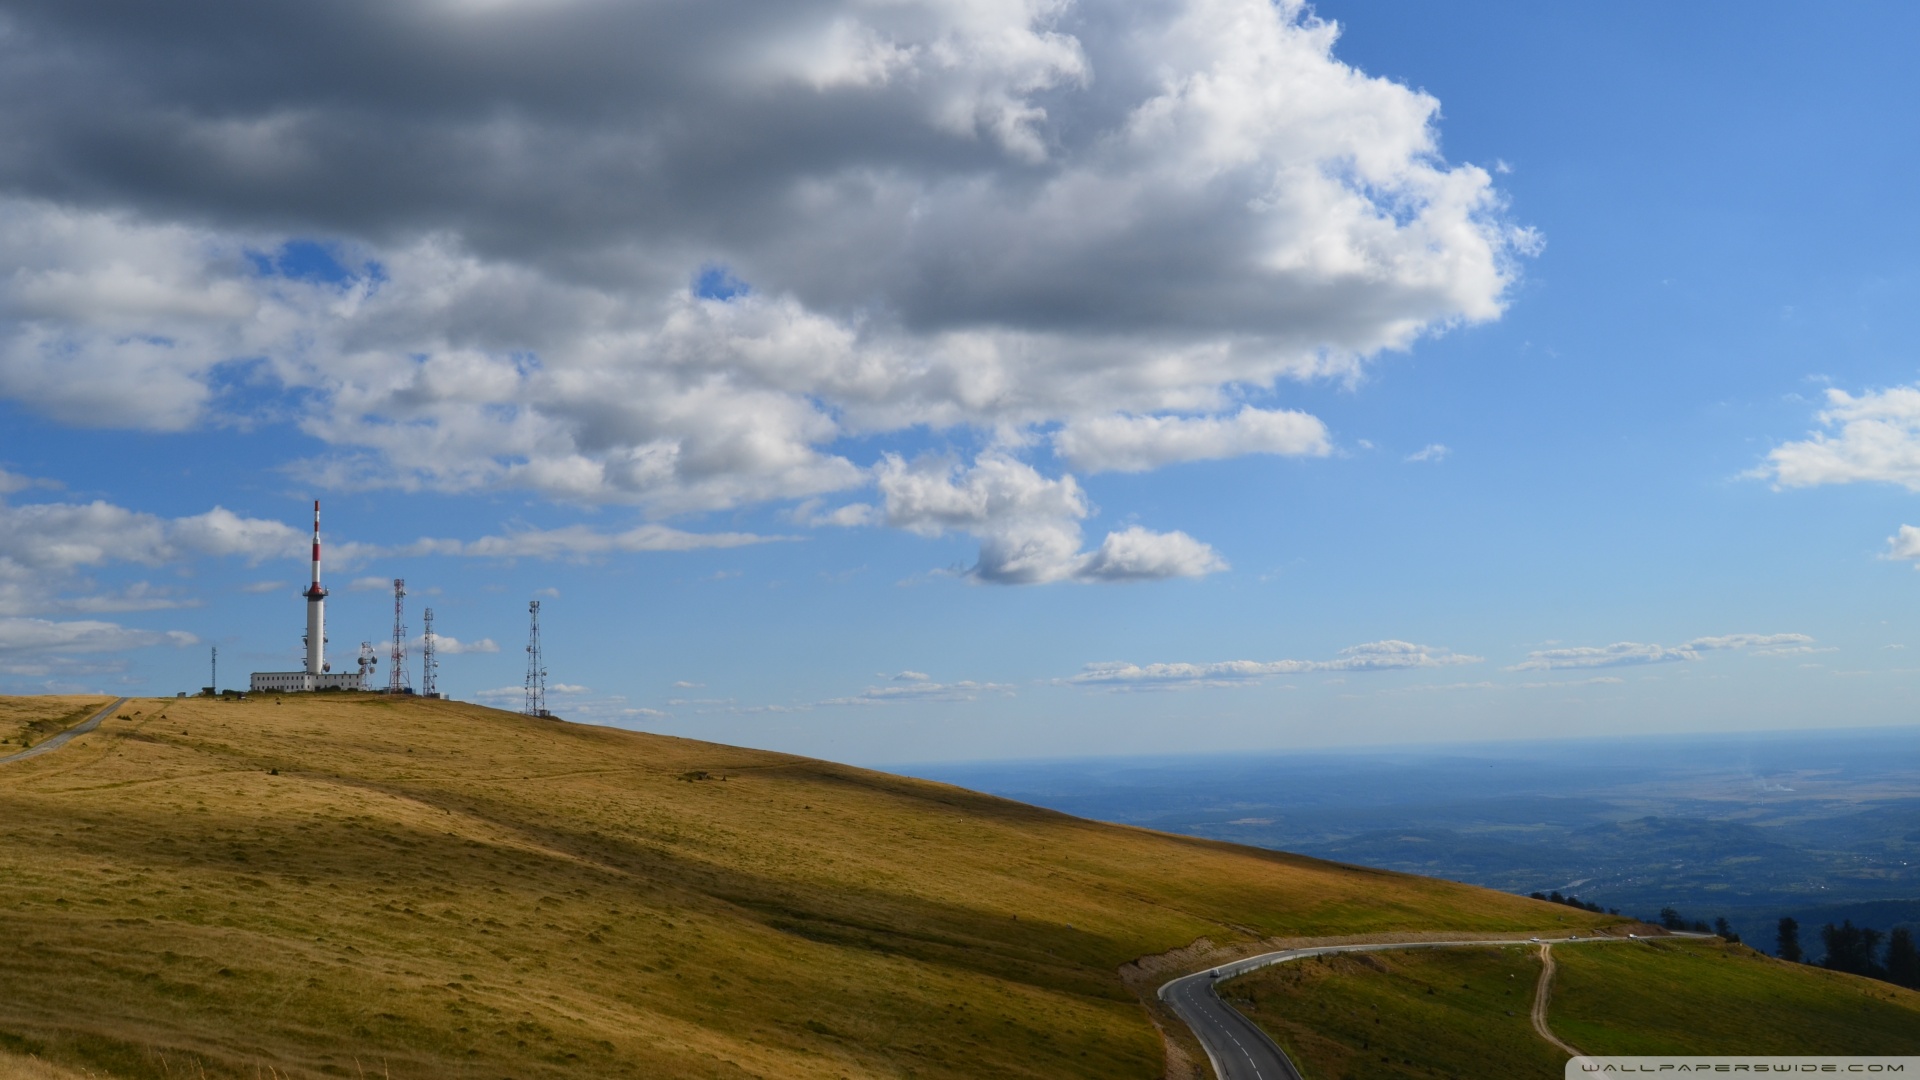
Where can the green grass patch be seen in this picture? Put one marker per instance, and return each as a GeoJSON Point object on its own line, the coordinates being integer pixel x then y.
{"type": "Point", "coordinates": [1467, 1012]}
{"type": "Point", "coordinates": [1670, 997]}
{"type": "Point", "coordinates": [1420, 1013]}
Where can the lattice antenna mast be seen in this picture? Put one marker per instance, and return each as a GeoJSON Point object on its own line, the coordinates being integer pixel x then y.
{"type": "Point", "coordinates": [213, 669]}
{"type": "Point", "coordinates": [536, 667]}
{"type": "Point", "coordinates": [429, 663]}
{"type": "Point", "coordinates": [397, 674]}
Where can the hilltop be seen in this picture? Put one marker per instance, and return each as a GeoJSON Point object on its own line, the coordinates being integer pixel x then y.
{"type": "Point", "coordinates": [336, 884]}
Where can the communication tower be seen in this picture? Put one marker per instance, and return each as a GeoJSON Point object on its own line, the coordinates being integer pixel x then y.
{"type": "Point", "coordinates": [317, 672]}
{"type": "Point", "coordinates": [429, 663]}
{"type": "Point", "coordinates": [213, 669]}
{"type": "Point", "coordinates": [536, 667]}
{"type": "Point", "coordinates": [368, 661]}
{"type": "Point", "coordinates": [316, 608]}
{"type": "Point", "coordinates": [397, 682]}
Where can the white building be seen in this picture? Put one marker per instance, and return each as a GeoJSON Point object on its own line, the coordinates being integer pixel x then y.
{"type": "Point", "coordinates": [318, 674]}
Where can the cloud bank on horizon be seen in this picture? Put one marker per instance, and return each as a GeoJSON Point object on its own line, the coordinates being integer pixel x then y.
{"type": "Point", "coordinates": [691, 257]}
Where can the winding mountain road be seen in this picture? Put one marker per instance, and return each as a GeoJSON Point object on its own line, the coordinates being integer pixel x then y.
{"type": "Point", "coordinates": [1238, 1048]}
{"type": "Point", "coordinates": [60, 740]}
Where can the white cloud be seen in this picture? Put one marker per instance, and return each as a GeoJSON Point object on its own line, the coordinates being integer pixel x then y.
{"type": "Point", "coordinates": [1028, 524]}
{"type": "Point", "coordinates": [1372, 656]}
{"type": "Point", "coordinates": [811, 512]}
{"type": "Point", "coordinates": [1140, 443]}
{"type": "Point", "coordinates": [138, 596]}
{"type": "Point", "coordinates": [224, 533]}
{"type": "Point", "coordinates": [1624, 653]}
{"type": "Point", "coordinates": [443, 645]}
{"type": "Point", "coordinates": [264, 586]}
{"type": "Point", "coordinates": [449, 645]}
{"type": "Point", "coordinates": [1904, 544]}
{"type": "Point", "coordinates": [952, 216]}
{"type": "Point", "coordinates": [1747, 641]}
{"type": "Point", "coordinates": [1137, 554]}
{"type": "Point", "coordinates": [1430, 452]}
{"type": "Point", "coordinates": [579, 541]}
{"type": "Point", "coordinates": [681, 684]}
{"type": "Point", "coordinates": [513, 694]}
{"type": "Point", "coordinates": [14, 482]}
{"type": "Point", "coordinates": [1872, 437]}
{"type": "Point", "coordinates": [1598, 680]}
{"type": "Point", "coordinates": [61, 537]}
{"type": "Point", "coordinates": [86, 636]}
{"type": "Point", "coordinates": [922, 690]}
{"type": "Point", "coordinates": [45, 547]}
{"type": "Point", "coordinates": [374, 583]}
{"type": "Point", "coordinates": [932, 495]}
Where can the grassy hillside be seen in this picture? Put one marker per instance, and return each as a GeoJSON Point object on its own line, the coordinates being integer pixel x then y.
{"type": "Point", "coordinates": [26, 721]}
{"type": "Point", "coordinates": [1428, 1013]}
{"type": "Point", "coordinates": [334, 884]}
{"type": "Point", "coordinates": [1687, 997]}
{"type": "Point", "coordinates": [1465, 1012]}
{"type": "Point", "coordinates": [29, 1067]}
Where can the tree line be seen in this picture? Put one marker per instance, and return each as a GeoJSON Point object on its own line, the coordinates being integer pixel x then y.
{"type": "Point", "coordinates": [1856, 951]}
{"type": "Point", "coordinates": [1554, 897]}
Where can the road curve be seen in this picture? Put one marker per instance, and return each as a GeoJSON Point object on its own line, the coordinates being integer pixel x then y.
{"type": "Point", "coordinates": [60, 740]}
{"type": "Point", "coordinates": [1241, 1051]}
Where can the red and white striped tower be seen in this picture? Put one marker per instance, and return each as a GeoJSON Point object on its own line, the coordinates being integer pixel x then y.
{"type": "Point", "coordinates": [316, 607]}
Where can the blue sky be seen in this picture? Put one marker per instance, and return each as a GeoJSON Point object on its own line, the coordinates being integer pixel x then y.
{"type": "Point", "coordinates": [1555, 465]}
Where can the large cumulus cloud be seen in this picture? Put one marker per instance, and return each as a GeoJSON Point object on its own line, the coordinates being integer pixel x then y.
{"type": "Point", "coordinates": [1122, 223]}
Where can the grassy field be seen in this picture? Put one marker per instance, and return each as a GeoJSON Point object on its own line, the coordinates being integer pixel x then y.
{"type": "Point", "coordinates": [1464, 1012]}
{"type": "Point", "coordinates": [28, 1067]}
{"type": "Point", "coordinates": [1673, 997]}
{"type": "Point", "coordinates": [1423, 1013]}
{"type": "Point", "coordinates": [345, 885]}
{"type": "Point", "coordinates": [26, 721]}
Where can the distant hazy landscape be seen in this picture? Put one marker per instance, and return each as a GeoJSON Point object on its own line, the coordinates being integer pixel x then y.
{"type": "Point", "coordinates": [1821, 826]}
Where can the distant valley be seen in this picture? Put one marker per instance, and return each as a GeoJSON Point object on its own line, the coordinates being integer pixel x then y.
{"type": "Point", "coordinates": [1822, 827]}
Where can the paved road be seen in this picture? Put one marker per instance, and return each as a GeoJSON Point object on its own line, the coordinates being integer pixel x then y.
{"type": "Point", "coordinates": [61, 739]}
{"type": "Point", "coordinates": [1241, 1051]}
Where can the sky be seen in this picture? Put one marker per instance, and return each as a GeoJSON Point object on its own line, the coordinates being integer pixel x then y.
{"type": "Point", "coordinates": [933, 380]}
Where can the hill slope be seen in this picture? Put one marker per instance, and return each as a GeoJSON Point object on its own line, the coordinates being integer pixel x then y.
{"type": "Point", "coordinates": [335, 883]}
{"type": "Point", "coordinates": [27, 722]}
{"type": "Point", "coordinates": [1465, 1012]}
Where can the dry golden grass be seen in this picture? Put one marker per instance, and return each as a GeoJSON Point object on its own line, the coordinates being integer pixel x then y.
{"type": "Point", "coordinates": [25, 1067]}
{"type": "Point", "coordinates": [27, 720]}
{"type": "Point", "coordinates": [346, 885]}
